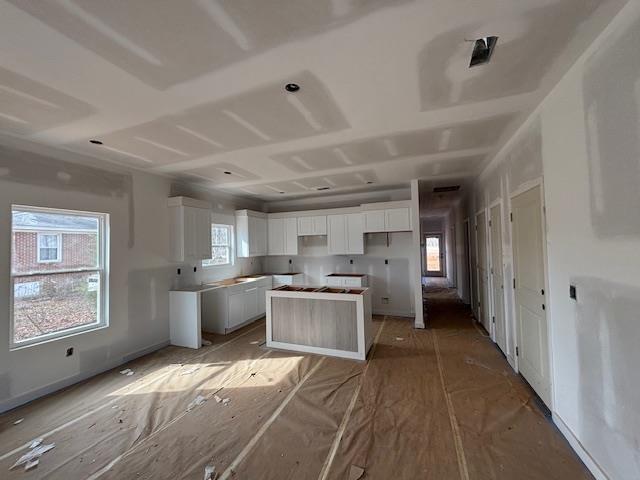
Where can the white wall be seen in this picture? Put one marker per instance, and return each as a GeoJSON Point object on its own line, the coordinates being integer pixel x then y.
{"type": "Point", "coordinates": [586, 135]}
{"type": "Point", "coordinates": [392, 280]}
{"type": "Point", "coordinates": [140, 274]}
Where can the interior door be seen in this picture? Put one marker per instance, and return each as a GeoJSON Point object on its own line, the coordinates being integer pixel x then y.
{"type": "Point", "coordinates": [497, 280]}
{"type": "Point", "coordinates": [483, 277]}
{"type": "Point", "coordinates": [434, 255]}
{"type": "Point", "coordinates": [531, 318]}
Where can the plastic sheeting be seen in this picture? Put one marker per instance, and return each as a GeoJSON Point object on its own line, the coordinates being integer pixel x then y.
{"type": "Point", "coordinates": [428, 404]}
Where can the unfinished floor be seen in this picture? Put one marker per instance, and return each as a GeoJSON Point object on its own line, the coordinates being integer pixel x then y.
{"type": "Point", "coordinates": [429, 404]}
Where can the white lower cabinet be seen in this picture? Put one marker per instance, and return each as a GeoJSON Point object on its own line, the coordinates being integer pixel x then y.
{"type": "Point", "coordinates": [227, 308]}
{"type": "Point", "coordinates": [347, 281]}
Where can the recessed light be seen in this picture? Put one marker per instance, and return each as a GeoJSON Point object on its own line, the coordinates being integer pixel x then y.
{"type": "Point", "coordinates": [369, 182]}
{"type": "Point", "coordinates": [292, 87]}
{"type": "Point", "coordinates": [227, 173]}
{"type": "Point", "coordinates": [322, 188]}
{"type": "Point", "coordinates": [482, 50]}
{"type": "Point", "coordinates": [95, 142]}
{"type": "Point", "coordinates": [280, 192]}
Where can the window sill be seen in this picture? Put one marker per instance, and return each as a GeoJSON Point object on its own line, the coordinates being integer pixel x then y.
{"type": "Point", "coordinates": [62, 336]}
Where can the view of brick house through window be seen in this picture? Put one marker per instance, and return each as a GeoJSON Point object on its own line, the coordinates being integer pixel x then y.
{"type": "Point", "coordinates": [57, 273]}
{"type": "Point", "coordinates": [221, 246]}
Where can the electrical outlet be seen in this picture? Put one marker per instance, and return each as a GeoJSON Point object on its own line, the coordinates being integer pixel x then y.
{"type": "Point", "coordinates": [386, 262]}
{"type": "Point", "coordinates": [572, 292]}
{"type": "Point", "coordinates": [385, 300]}
{"type": "Point", "coordinates": [194, 269]}
{"type": "Point", "coordinates": [290, 261]}
{"type": "Point", "coordinates": [178, 271]}
{"type": "Point", "coordinates": [351, 261]}
{"type": "Point", "coordinates": [69, 351]}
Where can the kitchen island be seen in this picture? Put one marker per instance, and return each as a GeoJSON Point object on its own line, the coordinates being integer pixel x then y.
{"type": "Point", "coordinates": [322, 320]}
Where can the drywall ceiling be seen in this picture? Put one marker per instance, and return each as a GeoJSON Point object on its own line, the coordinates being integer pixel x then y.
{"type": "Point", "coordinates": [195, 89]}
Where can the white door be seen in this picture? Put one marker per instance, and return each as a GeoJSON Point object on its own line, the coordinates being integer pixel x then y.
{"type": "Point", "coordinates": [483, 278]}
{"type": "Point", "coordinates": [355, 237]}
{"type": "Point", "coordinates": [275, 236]}
{"type": "Point", "coordinates": [531, 318]}
{"type": "Point", "coordinates": [497, 281]}
{"type": "Point", "coordinates": [336, 235]}
{"type": "Point", "coordinates": [434, 255]}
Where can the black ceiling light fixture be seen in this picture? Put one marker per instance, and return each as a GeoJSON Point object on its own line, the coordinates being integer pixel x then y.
{"type": "Point", "coordinates": [482, 50]}
{"type": "Point", "coordinates": [292, 87]}
{"type": "Point", "coordinates": [227, 173]}
{"type": "Point", "coordinates": [369, 182]}
{"type": "Point", "coordinates": [323, 188]}
{"type": "Point", "coordinates": [95, 142]}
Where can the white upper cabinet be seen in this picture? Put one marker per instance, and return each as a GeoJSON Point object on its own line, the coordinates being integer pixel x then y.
{"type": "Point", "coordinates": [374, 221]}
{"type": "Point", "coordinates": [251, 233]}
{"type": "Point", "coordinates": [355, 237]}
{"type": "Point", "coordinates": [396, 219]}
{"type": "Point", "coordinates": [314, 225]}
{"type": "Point", "coordinates": [291, 236]}
{"type": "Point", "coordinates": [275, 236]}
{"type": "Point", "coordinates": [344, 234]}
{"type": "Point", "coordinates": [282, 236]}
{"type": "Point", "coordinates": [190, 234]}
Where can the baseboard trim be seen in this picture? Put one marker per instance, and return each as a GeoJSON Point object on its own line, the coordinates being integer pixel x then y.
{"type": "Point", "coordinates": [79, 377]}
{"type": "Point", "coordinates": [587, 459]}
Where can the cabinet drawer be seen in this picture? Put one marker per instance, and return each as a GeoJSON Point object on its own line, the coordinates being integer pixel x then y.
{"type": "Point", "coordinates": [352, 282]}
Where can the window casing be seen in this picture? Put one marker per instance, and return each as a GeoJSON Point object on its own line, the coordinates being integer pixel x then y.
{"type": "Point", "coordinates": [52, 294]}
{"type": "Point", "coordinates": [221, 246]}
{"type": "Point", "coordinates": [49, 247]}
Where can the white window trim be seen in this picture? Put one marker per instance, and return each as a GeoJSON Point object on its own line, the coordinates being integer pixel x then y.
{"type": "Point", "coordinates": [101, 269]}
{"type": "Point", "coordinates": [232, 252]}
{"type": "Point", "coordinates": [58, 258]}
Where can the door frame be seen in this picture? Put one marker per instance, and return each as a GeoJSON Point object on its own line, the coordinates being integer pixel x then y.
{"type": "Point", "coordinates": [467, 246]}
{"type": "Point", "coordinates": [486, 256]}
{"type": "Point", "coordinates": [498, 203]}
{"type": "Point", "coordinates": [525, 187]}
{"type": "Point", "coordinates": [443, 270]}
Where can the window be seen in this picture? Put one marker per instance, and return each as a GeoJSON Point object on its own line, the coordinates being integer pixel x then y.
{"type": "Point", "coordinates": [49, 247]}
{"type": "Point", "coordinates": [57, 293]}
{"type": "Point", "coordinates": [221, 246]}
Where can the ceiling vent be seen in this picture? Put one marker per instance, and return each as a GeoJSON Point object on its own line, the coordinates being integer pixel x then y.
{"type": "Point", "coordinates": [482, 50]}
{"type": "Point", "coordinates": [323, 188]}
{"type": "Point", "coordinates": [452, 188]}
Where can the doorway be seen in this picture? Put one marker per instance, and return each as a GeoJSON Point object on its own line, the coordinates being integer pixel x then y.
{"type": "Point", "coordinates": [434, 255]}
{"type": "Point", "coordinates": [531, 318]}
{"type": "Point", "coordinates": [497, 279]}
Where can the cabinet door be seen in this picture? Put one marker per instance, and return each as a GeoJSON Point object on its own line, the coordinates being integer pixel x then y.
{"type": "Point", "coordinates": [374, 221]}
{"type": "Point", "coordinates": [261, 236]}
{"type": "Point", "coordinates": [190, 233]}
{"type": "Point", "coordinates": [355, 236]}
{"type": "Point", "coordinates": [204, 233]}
{"type": "Point", "coordinates": [397, 220]}
{"type": "Point", "coordinates": [353, 281]}
{"type": "Point", "coordinates": [250, 303]}
{"type": "Point", "coordinates": [336, 235]}
{"type": "Point", "coordinates": [305, 226]}
{"type": "Point", "coordinates": [275, 235]}
{"type": "Point", "coordinates": [262, 300]}
{"type": "Point", "coordinates": [290, 236]}
{"type": "Point", "coordinates": [236, 310]}
{"type": "Point", "coordinates": [319, 224]}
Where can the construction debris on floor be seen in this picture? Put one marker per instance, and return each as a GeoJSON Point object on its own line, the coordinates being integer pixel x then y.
{"type": "Point", "coordinates": [428, 404]}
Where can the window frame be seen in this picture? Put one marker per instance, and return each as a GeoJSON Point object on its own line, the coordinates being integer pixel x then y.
{"type": "Point", "coordinates": [101, 269]}
{"type": "Point", "coordinates": [229, 246]}
{"type": "Point", "coordinates": [39, 235]}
